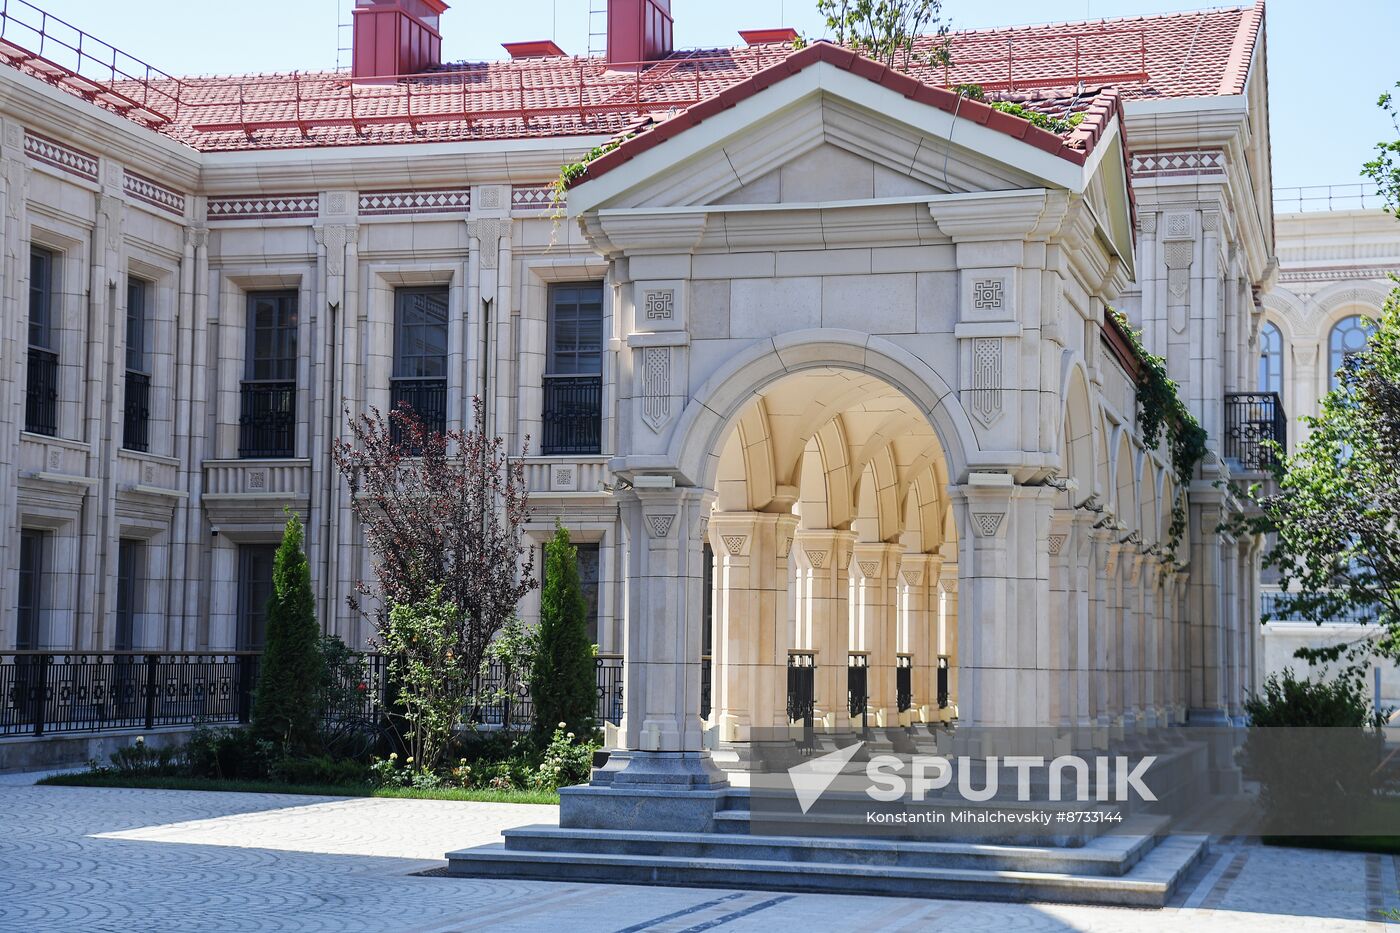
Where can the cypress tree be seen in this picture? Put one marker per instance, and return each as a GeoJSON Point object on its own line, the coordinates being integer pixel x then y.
{"type": "Point", "coordinates": [563, 681]}
{"type": "Point", "coordinates": [285, 706]}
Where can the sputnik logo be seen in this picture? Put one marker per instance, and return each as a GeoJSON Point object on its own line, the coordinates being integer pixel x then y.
{"type": "Point", "coordinates": [812, 778]}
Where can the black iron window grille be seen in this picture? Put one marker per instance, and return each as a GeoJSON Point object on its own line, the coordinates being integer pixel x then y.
{"type": "Point", "coordinates": [267, 420]}
{"type": "Point", "coordinates": [904, 682]}
{"type": "Point", "coordinates": [573, 415]}
{"type": "Point", "coordinates": [41, 393]}
{"type": "Point", "coordinates": [136, 412]}
{"type": "Point", "coordinates": [427, 398]}
{"type": "Point", "coordinates": [1252, 419]}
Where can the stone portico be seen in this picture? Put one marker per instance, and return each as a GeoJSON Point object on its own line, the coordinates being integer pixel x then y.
{"type": "Point", "coordinates": [870, 368]}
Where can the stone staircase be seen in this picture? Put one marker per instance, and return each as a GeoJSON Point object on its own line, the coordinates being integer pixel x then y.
{"type": "Point", "coordinates": [1133, 866]}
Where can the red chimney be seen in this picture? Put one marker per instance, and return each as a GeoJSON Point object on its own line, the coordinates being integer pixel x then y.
{"type": "Point", "coordinates": [638, 31]}
{"type": "Point", "coordinates": [396, 37]}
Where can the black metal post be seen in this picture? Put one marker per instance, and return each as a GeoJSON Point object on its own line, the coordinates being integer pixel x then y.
{"type": "Point", "coordinates": [152, 662]}
{"type": "Point", "coordinates": [41, 694]}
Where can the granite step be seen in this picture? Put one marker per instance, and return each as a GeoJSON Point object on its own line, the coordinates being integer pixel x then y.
{"type": "Point", "coordinates": [1149, 883]}
{"type": "Point", "coordinates": [1106, 856]}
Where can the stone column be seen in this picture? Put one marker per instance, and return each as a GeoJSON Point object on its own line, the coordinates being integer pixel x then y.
{"type": "Point", "coordinates": [874, 572]}
{"type": "Point", "coordinates": [1102, 563]}
{"type": "Point", "coordinates": [822, 557]}
{"type": "Point", "coordinates": [661, 728]}
{"type": "Point", "coordinates": [1082, 571]}
{"type": "Point", "coordinates": [1006, 587]}
{"type": "Point", "coordinates": [1112, 632]}
{"type": "Point", "coordinates": [1061, 621]}
{"type": "Point", "coordinates": [1132, 563]}
{"type": "Point", "coordinates": [948, 635]}
{"type": "Point", "coordinates": [918, 630]}
{"type": "Point", "coordinates": [751, 640]}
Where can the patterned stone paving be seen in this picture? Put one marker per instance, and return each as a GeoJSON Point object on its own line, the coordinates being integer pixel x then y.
{"type": "Point", "coordinates": [89, 859]}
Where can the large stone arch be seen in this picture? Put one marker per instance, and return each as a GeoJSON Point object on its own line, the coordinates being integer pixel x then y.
{"type": "Point", "coordinates": [694, 450]}
{"type": "Point", "coordinates": [1125, 508]}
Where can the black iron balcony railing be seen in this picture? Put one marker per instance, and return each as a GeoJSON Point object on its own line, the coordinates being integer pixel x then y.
{"type": "Point", "coordinates": [1251, 420]}
{"type": "Point", "coordinates": [136, 416]}
{"type": "Point", "coordinates": [427, 398]}
{"type": "Point", "coordinates": [1277, 606]}
{"type": "Point", "coordinates": [857, 684]}
{"type": "Point", "coordinates": [904, 682]}
{"type": "Point", "coordinates": [801, 686]}
{"type": "Point", "coordinates": [41, 393]}
{"type": "Point", "coordinates": [573, 415]}
{"type": "Point", "coordinates": [267, 420]}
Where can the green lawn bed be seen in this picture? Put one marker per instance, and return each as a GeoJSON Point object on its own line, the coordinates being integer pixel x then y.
{"type": "Point", "coordinates": [89, 779]}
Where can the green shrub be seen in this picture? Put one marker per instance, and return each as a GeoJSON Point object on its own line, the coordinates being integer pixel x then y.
{"type": "Point", "coordinates": [139, 758]}
{"type": "Point", "coordinates": [1315, 749]}
{"type": "Point", "coordinates": [228, 754]}
{"type": "Point", "coordinates": [320, 770]}
{"type": "Point", "coordinates": [565, 762]}
{"type": "Point", "coordinates": [1288, 701]}
{"type": "Point", "coordinates": [285, 708]}
{"type": "Point", "coordinates": [563, 680]}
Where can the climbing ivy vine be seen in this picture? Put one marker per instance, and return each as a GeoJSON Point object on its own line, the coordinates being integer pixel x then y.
{"type": "Point", "coordinates": [1162, 412]}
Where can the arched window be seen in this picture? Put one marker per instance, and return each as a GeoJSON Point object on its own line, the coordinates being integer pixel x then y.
{"type": "Point", "coordinates": [1270, 359]}
{"type": "Point", "coordinates": [1348, 338]}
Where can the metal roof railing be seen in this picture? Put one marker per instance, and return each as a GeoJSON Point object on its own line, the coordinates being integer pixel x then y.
{"type": "Point", "coordinates": [1307, 198]}
{"type": "Point", "coordinates": [60, 53]}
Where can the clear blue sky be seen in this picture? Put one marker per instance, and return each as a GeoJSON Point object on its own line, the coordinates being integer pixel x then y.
{"type": "Point", "coordinates": [1327, 61]}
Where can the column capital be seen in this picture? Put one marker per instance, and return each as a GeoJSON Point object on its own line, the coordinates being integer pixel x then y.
{"type": "Point", "coordinates": [876, 560]}
{"type": "Point", "coordinates": [823, 548]}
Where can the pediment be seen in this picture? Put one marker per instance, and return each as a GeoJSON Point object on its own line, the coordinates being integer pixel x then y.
{"type": "Point", "coordinates": [822, 134]}
{"type": "Point", "coordinates": [822, 149]}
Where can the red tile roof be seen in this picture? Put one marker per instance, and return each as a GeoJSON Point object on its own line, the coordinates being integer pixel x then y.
{"type": "Point", "coordinates": [1173, 55]}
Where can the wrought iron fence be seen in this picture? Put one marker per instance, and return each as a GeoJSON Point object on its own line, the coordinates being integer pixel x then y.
{"type": "Point", "coordinates": [1251, 420]}
{"type": "Point", "coordinates": [572, 416]}
{"type": "Point", "coordinates": [44, 692]}
{"type": "Point", "coordinates": [801, 686]}
{"type": "Point", "coordinates": [904, 682]}
{"type": "Point", "coordinates": [857, 684]}
{"type": "Point", "coordinates": [267, 420]}
{"type": "Point", "coordinates": [136, 414]}
{"type": "Point", "coordinates": [1277, 606]}
{"type": "Point", "coordinates": [427, 398]}
{"type": "Point", "coordinates": [41, 392]}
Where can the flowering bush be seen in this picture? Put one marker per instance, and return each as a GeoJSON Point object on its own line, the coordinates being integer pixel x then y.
{"type": "Point", "coordinates": [566, 762]}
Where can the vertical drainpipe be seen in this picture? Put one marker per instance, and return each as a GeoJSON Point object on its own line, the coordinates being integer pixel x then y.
{"type": "Point", "coordinates": [177, 623]}
{"type": "Point", "coordinates": [348, 553]}
{"type": "Point", "coordinates": [89, 617]}
{"type": "Point", "coordinates": [317, 357]}
{"type": "Point", "coordinates": [202, 369]}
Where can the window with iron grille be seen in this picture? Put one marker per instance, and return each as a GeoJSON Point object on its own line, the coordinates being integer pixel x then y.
{"type": "Point", "coordinates": [136, 414]}
{"type": "Point", "coordinates": [420, 355]}
{"type": "Point", "coordinates": [33, 547]}
{"type": "Point", "coordinates": [254, 591]}
{"type": "Point", "coordinates": [131, 561]}
{"type": "Point", "coordinates": [267, 419]}
{"type": "Point", "coordinates": [41, 378]}
{"type": "Point", "coordinates": [573, 382]}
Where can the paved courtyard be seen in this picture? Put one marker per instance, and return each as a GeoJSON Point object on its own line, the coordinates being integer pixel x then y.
{"type": "Point", "coordinates": [89, 859]}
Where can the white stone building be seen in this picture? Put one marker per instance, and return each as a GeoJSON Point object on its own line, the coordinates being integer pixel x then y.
{"type": "Point", "coordinates": [838, 326]}
{"type": "Point", "coordinates": [1337, 251]}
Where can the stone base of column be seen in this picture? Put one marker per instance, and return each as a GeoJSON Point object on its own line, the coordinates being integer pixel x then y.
{"type": "Point", "coordinates": [677, 792]}
{"type": "Point", "coordinates": [1204, 716]}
